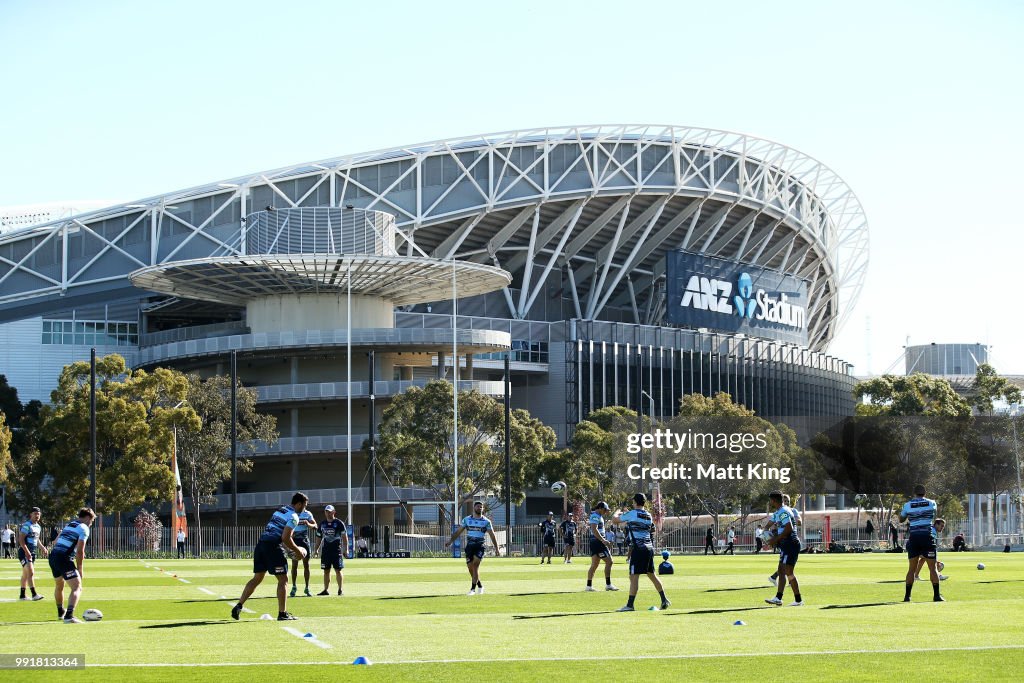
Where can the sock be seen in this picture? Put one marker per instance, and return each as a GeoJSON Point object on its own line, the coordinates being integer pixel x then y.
{"type": "Point", "coordinates": [472, 586]}
{"type": "Point", "coordinates": [629, 603]}
{"type": "Point", "coordinates": [775, 575]}
{"type": "Point", "coordinates": [779, 595]}
{"type": "Point", "coordinates": [70, 613]}
{"type": "Point", "coordinates": [935, 590]}
{"type": "Point", "coordinates": [662, 594]}
{"type": "Point", "coordinates": [479, 585]}
{"type": "Point", "coordinates": [281, 614]}
{"type": "Point", "coordinates": [33, 589]}
{"type": "Point", "coordinates": [607, 580]}
{"type": "Point", "coordinates": [797, 596]}
{"type": "Point", "coordinates": [589, 583]}
{"type": "Point", "coordinates": [910, 587]}
{"type": "Point", "coordinates": [60, 610]}
{"type": "Point", "coordinates": [22, 592]}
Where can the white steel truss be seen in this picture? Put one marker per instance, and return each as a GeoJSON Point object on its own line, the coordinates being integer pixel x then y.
{"type": "Point", "coordinates": [601, 204]}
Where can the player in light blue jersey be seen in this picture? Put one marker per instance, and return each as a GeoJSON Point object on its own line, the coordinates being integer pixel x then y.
{"type": "Point", "coordinates": [600, 547]}
{"type": "Point", "coordinates": [788, 543]}
{"type": "Point", "coordinates": [28, 544]}
{"type": "Point", "coordinates": [795, 514]}
{"type": "Point", "coordinates": [640, 532]}
{"type": "Point", "coordinates": [475, 526]}
{"type": "Point", "coordinates": [67, 561]}
{"type": "Point", "coordinates": [919, 513]}
{"type": "Point", "coordinates": [268, 556]}
{"type": "Point", "coordinates": [301, 537]}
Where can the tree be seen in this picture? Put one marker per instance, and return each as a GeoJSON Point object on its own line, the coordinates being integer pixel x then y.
{"type": "Point", "coordinates": [136, 412]}
{"type": "Point", "coordinates": [912, 395]}
{"type": "Point", "coordinates": [988, 388]}
{"type": "Point", "coordinates": [204, 452]}
{"type": "Point", "coordinates": [416, 446]}
{"type": "Point", "coordinates": [6, 464]}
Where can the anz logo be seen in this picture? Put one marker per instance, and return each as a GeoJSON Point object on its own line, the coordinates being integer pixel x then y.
{"type": "Point", "coordinates": [712, 295]}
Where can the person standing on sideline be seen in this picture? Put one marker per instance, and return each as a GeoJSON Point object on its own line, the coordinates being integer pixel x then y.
{"type": "Point", "coordinates": [181, 543]}
{"type": "Point", "coordinates": [475, 526]}
{"type": "Point", "coordinates": [547, 528]}
{"type": "Point", "coordinates": [709, 541]}
{"type": "Point", "coordinates": [569, 529]}
{"type": "Point", "coordinates": [67, 562]}
{"type": "Point", "coordinates": [7, 537]}
{"type": "Point", "coordinates": [758, 539]}
{"type": "Point", "coordinates": [268, 555]}
{"type": "Point", "coordinates": [600, 548]}
{"type": "Point", "coordinates": [640, 526]}
{"type": "Point", "coordinates": [332, 534]}
{"type": "Point", "coordinates": [28, 545]}
{"type": "Point", "coordinates": [731, 540]}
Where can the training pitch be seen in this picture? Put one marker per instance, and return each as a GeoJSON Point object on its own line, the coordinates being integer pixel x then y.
{"type": "Point", "coordinates": [169, 620]}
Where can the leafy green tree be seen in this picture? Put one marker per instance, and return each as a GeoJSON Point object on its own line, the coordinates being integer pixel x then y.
{"type": "Point", "coordinates": [6, 464]}
{"type": "Point", "coordinates": [988, 388]}
{"type": "Point", "coordinates": [911, 395]}
{"type": "Point", "coordinates": [204, 449]}
{"type": "Point", "coordinates": [136, 412]}
{"type": "Point", "coordinates": [416, 446]}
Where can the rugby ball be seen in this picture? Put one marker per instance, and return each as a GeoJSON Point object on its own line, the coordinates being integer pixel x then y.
{"type": "Point", "coordinates": [940, 565]}
{"type": "Point", "coordinates": [558, 487]}
{"type": "Point", "coordinates": [92, 615]}
{"type": "Point", "coordinates": [981, 566]}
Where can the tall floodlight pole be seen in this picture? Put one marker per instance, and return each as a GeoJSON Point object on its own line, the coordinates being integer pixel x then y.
{"type": "Point", "coordinates": [234, 454]}
{"type": "Point", "coordinates": [639, 395]}
{"type": "Point", "coordinates": [1020, 492]}
{"type": "Point", "coordinates": [455, 391]}
{"type": "Point", "coordinates": [508, 446]}
{"type": "Point", "coordinates": [348, 381]}
{"type": "Point", "coordinates": [373, 444]}
{"type": "Point", "coordinates": [92, 427]}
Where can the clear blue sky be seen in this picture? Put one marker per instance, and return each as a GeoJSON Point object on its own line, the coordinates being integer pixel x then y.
{"type": "Point", "coordinates": [918, 105]}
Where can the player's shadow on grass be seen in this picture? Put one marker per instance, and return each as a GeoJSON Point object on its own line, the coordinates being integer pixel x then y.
{"type": "Point", "coordinates": [1004, 581]}
{"type": "Point", "coordinates": [411, 597]}
{"type": "Point", "coordinates": [559, 614]}
{"type": "Point", "coordinates": [725, 590]}
{"type": "Point", "coordinates": [185, 623]}
{"type": "Point", "coordinates": [202, 600]}
{"type": "Point", "coordinates": [720, 611]}
{"type": "Point", "coordinates": [862, 604]}
{"type": "Point", "coordinates": [526, 595]}
{"type": "Point", "coordinates": [896, 581]}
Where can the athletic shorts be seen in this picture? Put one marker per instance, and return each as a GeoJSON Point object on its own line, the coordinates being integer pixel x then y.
{"type": "Point", "coordinates": [921, 545]}
{"type": "Point", "coordinates": [330, 556]}
{"type": "Point", "coordinates": [26, 560]}
{"type": "Point", "coordinates": [474, 550]}
{"type": "Point", "coordinates": [269, 557]}
{"type": "Point", "coordinates": [597, 548]}
{"type": "Point", "coordinates": [641, 560]}
{"type": "Point", "coordinates": [789, 552]}
{"type": "Point", "coordinates": [570, 541]}
{"type": "Point", "coordinates": [62, 566]}
{"type": "Point", "coordinates": [549, 541]}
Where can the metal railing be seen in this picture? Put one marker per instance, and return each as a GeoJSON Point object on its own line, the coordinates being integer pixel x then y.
{"type": "Point", "coordinates": [320, 230]}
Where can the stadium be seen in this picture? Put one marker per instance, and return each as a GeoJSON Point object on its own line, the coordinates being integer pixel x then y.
{"type": "Point", "coordinates": [601, 258]}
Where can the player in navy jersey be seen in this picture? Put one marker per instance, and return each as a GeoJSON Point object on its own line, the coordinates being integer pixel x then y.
{"type": "Point", "coordinates": [268, 556]}
{"type": "Point", "coordinates": [569, 529]}
{"type": "Point", "coordinates": [67, 560]}
{"type": "Point", "coordinates": [639, 532]}
{"type": "Point", "coordinates": [547, 528]}
{"type": "Point", "coordinates": [301, 537]}
{"type": "Point", "coordinates": [600, 547]}
{"type": "Point", "coordinates": [788, 543]}
{"type": "Point", "coordinates": [28, 545]}
{"type": "Point", "coordinates": [475, 526]}
{"type": "Point", "coordinates": [333, 534]}
{"type": "Point", "coordinates": [919, 513]}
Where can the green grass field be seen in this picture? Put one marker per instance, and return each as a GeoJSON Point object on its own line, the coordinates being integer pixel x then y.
{"type": "Point", "coordinates": [412, 619]}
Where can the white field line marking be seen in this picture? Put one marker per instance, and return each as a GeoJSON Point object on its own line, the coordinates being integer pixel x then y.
{"type": "Point", "coordinates": [208, 592]}
{"type": "Point", "coordinates": [970, 648]}
{"type": "Point", "coordinates": [299, 634]}
{"type": "Point", "coordinates": [184, 580]}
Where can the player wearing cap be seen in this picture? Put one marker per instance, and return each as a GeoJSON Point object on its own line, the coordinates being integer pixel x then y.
{"type": "Point", "coordinates": [67, 560]}
{"type": "Point", "coordinates": [788, 544]}
{"type": "Point", "coordinates": [547, 528]}
{"type": "Point", "coordinates": [666, 567]}
{"type": "Point", "coordinates": [28, 543]}
{"type": "Point", "coordinates": [639, 526]}
{"type": "Point", "coordinates": [569, 529]}
{"type": "Point", "coordinates": [600, 547]}
{"type": "Point", "coordinates": [475, 526]}
{"type": "Point", "coordinates": [332, 534]}
{"type": "Point", "coordinates": [301, 537]}
{"type": "Point", "coordinates": [268, 555]}
{"type": "Point", "coordinates": [919, 512]}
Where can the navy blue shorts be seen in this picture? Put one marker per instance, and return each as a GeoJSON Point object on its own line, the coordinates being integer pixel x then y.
{"type": "Point", "coordinates": [570, 541]}
{"type": "Point", "coordinates": [474, 550]}
{"type": "Point", "coordinates": [789, 552]}
{"type": "Point", "coordinates": [549, 541]}
{"type": "Point", "coordinates": [598, 549]}
{"type": "Point", "coordinates": [269, 557]}
{"type": "Point", "coordinates": [25, 560]}
{"type": "Point", "coordinates": [921, 544]}
{"type": "Point", "coordinates": [330, 556]}
{"type": "Point", "coordinates": [641, 559]}
{"type": "Point", "coordinates": [62, 566]}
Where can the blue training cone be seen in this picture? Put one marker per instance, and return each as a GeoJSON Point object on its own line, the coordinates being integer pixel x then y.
{"type": "Point", "coordinates": [361, 660]}
{"type": "Point", "coordinates": [739, 623]}
{"type": "Point", "coordinates": [309, 635]}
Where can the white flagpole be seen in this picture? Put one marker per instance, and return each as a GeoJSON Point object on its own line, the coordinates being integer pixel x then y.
{"type": "Point", "coordinates": [348, 378]}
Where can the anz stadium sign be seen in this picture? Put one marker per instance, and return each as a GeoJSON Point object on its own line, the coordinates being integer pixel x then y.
{"type": "Point", "coordinates": [730, 296]}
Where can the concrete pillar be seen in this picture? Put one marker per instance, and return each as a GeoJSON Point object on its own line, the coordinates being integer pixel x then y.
{"type": "Point", "coordinates": [295, 370]}
{"type": "Point", "coordinates": [468, 372]}
{"type": "Point", "coordinates": [295, 423]}
{"type": "Point", "coordinates": [840, 501]}
{"type": "Point", "coordinates": [819, 502]}
{"type": "Point", "coordinates": [440, 364]}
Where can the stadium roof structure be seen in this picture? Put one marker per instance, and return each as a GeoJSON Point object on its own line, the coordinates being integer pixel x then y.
{"type": "Point", "coordinates": [602, 203]}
